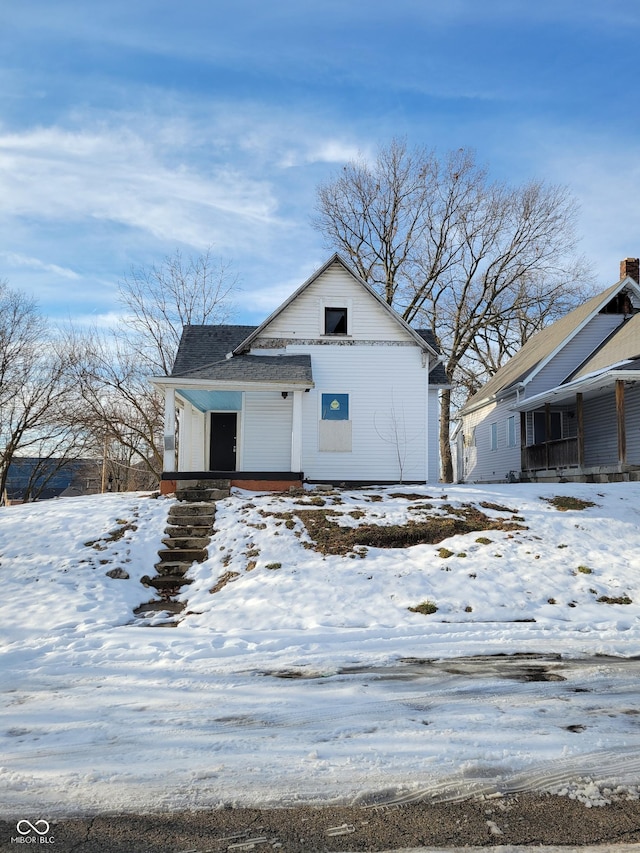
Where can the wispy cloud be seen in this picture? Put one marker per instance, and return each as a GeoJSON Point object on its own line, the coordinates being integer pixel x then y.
{"type": "Point", "coordinates": [14, 259]}
{"type": "Point", "coordinates": [146, 126]}
{"type": "Point", "coordinates": [114, 173]}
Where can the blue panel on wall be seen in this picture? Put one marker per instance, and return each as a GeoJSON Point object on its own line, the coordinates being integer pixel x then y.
{"type": "Point", "coordinates": [335, 407]}
{"type": "Point", "coordinates": [214, 401]}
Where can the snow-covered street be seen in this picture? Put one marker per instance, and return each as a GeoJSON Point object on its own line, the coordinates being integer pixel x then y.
{"type": "Point", "coordinates": [307, 678]}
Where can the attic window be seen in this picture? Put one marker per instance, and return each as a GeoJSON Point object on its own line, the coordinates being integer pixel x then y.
{"type": "Point", "coordinates": [620, 304]}
{"type": "Point", "coordinates": [335, 321]}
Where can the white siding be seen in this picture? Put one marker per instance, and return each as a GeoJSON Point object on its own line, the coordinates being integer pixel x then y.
{"type": "Point", "coordinates": [574, 353]}
{"type": "Point", "coordinates": [387, 391]}
{"type": "Point", "coordinates": [304, 317]}
{"type": "Point", "coordinates": [266, 435]}
{"type": "Point", "coordinates": [433, 435]}
{"type": "Point", "coordinates": [191, 440]}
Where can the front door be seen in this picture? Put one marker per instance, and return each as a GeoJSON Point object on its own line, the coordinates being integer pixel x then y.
{"type": "Point", "coordinates": [222, 442]}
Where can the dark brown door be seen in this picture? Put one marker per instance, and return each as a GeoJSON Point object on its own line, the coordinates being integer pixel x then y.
{"type": "Point", "coordinates": [222, 443]}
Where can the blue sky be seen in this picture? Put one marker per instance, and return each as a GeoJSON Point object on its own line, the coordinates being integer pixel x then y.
{"type": "Point", "coordinates": [131, 129]}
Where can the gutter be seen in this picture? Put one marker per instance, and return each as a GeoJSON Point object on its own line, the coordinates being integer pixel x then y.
{"type": "Point", "coordinates": [495, 398]}
{"type": "Point", "coordinates": [597, 382]}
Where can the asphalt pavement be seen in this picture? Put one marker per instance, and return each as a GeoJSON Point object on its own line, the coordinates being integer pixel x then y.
{"type": "Point", "coordinates": [533, 820]}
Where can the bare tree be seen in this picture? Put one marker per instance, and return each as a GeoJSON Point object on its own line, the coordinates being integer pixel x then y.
{"type": "Point", "coordinates": [480, 263]}
{"type": "Point", "coordinates": [391, 427]}
{"type": "Point", "coordinates": [158, 301]}
{"type": "Point", "coordinates": [118, 404]}
{"type": "Point", "coordinates": [35, 384]}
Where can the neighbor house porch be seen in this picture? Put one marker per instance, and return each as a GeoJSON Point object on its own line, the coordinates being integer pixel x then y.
{"type": "Point", "coordinates": [590, 434]}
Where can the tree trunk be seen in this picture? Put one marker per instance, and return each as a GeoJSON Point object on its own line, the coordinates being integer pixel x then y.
{"type": "Point", "coordinates": [445, 441]}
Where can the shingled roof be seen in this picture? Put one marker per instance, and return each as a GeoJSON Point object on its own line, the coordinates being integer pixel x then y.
{"type": "Point", "coordinates": [205, 345]}
{"type": "Point", "coordinates": [203, 351]}
{"type": "Point", "coordinates": [437, 374]}
{"type": "Point", "coordinates": [539, 348]}
{"type": "Point", "coordinates": [621, 348]}
{"type": "Point", "coordinates": [295, 369]}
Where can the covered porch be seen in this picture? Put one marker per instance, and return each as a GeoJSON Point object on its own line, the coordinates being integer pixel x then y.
{"type": "Point", "coordinates": [587, 430]}
{"type": "Point", "coordinates": [245, 429]}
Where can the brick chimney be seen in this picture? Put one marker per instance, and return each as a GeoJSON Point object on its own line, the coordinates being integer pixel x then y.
{"type": "Point", "coordinates": [630, 267]}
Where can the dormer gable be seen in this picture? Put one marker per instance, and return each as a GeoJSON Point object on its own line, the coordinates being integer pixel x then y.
{"type": "Point", "coordinates": [550, 355]}
{"type": "Point", "coordinates": [333, 306]}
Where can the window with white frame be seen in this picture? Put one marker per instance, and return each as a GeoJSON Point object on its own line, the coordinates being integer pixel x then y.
{"type": "Point", "coordinates": [511, 431]}
{"type": "Point", "coordinates": [494, 436]}
{"type": "Point", "coordinates": [335, 321]}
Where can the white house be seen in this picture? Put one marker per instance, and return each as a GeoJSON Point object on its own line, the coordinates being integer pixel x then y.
{"type": "Point", "coordinates": [567, 405]}
{"type": "Point", "coordinates": [334, 386]}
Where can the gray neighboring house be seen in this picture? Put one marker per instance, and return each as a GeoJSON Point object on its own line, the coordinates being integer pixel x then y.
{"type": "Point", "coordinates": [334, 386]}
{"type": "Point", "coordinates": [567, 405]}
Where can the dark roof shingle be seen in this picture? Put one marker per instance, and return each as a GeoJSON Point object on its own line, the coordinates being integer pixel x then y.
{"type": "Point", "coordinates": [205, 345]}
{"type": "Point", "coordinates": [257, 368]}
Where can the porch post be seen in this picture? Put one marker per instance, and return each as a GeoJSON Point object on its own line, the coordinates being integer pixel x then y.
{"type": "Point", "coordinates": [547, 433]}
{"type": "Point", "coordinates": [296, 432]}
{"type": "Point", "coordinates": [169, 463]}
{"type": "Point", "coordinates": [580, 419]}
{"type": "Point", "coordinates": [622, 436]}
{"type": "Point", "coordinates": [184, 438]}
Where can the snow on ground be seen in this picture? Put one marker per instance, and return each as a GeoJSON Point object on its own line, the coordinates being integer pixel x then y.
{"type": "Point", "coordinates": [304, 675]}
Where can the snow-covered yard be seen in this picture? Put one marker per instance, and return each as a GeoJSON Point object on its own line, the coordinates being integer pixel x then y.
{"type": "Point", "coordinates": [320, 669]}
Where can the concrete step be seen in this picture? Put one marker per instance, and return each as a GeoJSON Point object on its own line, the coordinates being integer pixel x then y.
{"type": "Point", "coordinates": [183, 555]}
{"type": "Point", "coordinates": [169, 582]}
{"type": "Point", "coordinates": [186, 542]}
{"type": "Point", "coordinates": [198, 530]}
{"type": "Point", "coordinates": [204, 483]}
{"type": "Point", "coordinates": [172, 567]}
{"type": "Point", "coordinates": [191, 522]}
{"type": "Point", "coordinates": [159, 606]}
{"type": "Point", "coordinates": [200, 509]}
{"type": "Point", "coordinates": [196, 495]}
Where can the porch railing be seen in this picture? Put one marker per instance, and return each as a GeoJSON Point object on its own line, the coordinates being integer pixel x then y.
{"type": "Point", "coordinates": [561, 453]}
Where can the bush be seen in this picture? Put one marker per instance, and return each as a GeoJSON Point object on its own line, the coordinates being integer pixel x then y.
{"type": "Point", "coordinates": [425, 607]}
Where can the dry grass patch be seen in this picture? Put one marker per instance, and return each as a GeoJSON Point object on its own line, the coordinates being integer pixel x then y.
{"type": "Point", "coordinates": [425, 607]}
{"type": "Point", "coordinates": [331, 538]}
{"type": "Point", "coordinates": [497, 507]}
{"type": "Point", "coordinates": [567, 503]}
{"type": "Point", "coordinates": [620, 599]}
{"type": "Point", "coordinates": [410, 496]}
{"type": "Point", "coordinates": [223, 580]}
{"type": "Point", "coordinates": [445, 553]}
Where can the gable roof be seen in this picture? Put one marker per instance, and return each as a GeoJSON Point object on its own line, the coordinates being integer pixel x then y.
{"type": "Point", "coordinates": [540, 348]}
{"type": "Point", "coordinates": [202, 355]}
{"type": "Point", "coordinates": [206, 345]}
{"type": "Point", "coordinates": [620, 349]}
{"type": "Point", "coordinates": [336, 259]}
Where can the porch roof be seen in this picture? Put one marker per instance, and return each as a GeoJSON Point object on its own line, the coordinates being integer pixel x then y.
{"type": "Point", "coordinates": [257, 368]}
{"type": "Point", "coordinates": [588, 386]}
{"type": "Point", "coordinates": [245, 372]}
